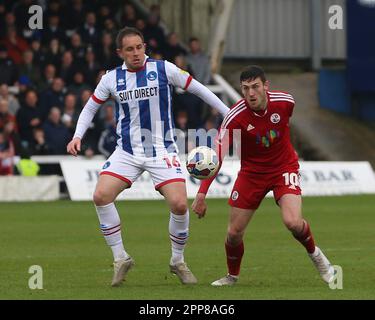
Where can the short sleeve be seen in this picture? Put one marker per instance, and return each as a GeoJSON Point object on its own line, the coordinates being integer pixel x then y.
{"type": "Point", "coordinates": [290, 105]}
{"type": "Point", "coordinates": [102, 90]}
{"type": "Point", "coordinates": [176, 76]}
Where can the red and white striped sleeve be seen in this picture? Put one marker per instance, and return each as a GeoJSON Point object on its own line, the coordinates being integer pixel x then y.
{"type": "Point", "coordinates": [278, 96]}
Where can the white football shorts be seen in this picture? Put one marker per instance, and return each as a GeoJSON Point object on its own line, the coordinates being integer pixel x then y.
{"type": "Point", "coordinates": [126, 167]}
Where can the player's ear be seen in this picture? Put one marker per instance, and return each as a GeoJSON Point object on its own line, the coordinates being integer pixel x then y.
{"type": "Point", "coordinates": [119, 53]}
{"type": "Point", "coordinates": [267, 85]}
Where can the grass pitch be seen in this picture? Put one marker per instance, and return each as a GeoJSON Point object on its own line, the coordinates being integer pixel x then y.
{"type": "Point", "coordinates": [64, 239]}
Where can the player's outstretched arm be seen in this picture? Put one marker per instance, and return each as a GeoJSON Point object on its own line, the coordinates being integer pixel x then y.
{"type": "Point", "coordinates": [184, 80]}
{"type": "Point", "coordinates": [198, 89]}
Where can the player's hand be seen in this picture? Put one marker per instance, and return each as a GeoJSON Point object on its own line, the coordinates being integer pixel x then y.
{"type": "Point", "coordinates": [74, 146]}
{"type": "Point", "coordinates": [199, 205]}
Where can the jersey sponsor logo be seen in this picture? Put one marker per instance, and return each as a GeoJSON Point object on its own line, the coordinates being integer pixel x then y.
{"type": "Point", "coordinates": [250, 127]}
{"type": "Point", "coordinates": [106, 165]}
{"type": "Point", "coordinates": [120, 82]}
{"type": "Point", "coordinates": [138, 94]}
{"type": "Point", "coordinates": [152, 75]}
{"type": "Point", "coordinates": [235, 195]}
{"type": "Point", "coordinates": [268, 139]}
{"type": "Point", "coordinates": [275, 118]}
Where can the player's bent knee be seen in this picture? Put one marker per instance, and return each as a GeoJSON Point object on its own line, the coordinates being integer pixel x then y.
{"type": "Point", "coordinates": [234, 236]}
{"type": "Point", "coordinates": [101, 198]}
{"type": "Point", "coordinates": [293, 224]}
{"type": "Point", "coordinates": [179, 207]}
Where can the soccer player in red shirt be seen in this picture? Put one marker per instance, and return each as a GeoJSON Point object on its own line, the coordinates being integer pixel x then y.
{"type": "Point", "coordinates": [268, 162]}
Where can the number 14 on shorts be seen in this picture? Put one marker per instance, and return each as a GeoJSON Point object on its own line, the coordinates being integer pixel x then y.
{"type": "Point", "coordinates": [291, 180]}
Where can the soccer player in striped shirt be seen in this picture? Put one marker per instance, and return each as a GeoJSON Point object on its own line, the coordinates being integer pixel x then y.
{"type": "Point", "coordinates": [268, 162]}
{"type": "Point", "coordinates": [141, 88]}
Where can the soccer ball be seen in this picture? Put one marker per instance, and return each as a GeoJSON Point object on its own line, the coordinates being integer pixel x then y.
{"type": "Point", "coordinates": [202, 162]}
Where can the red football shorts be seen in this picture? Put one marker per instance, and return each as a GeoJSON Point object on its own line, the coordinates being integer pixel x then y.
{"type": "Point", "coordinates": [250, 188]}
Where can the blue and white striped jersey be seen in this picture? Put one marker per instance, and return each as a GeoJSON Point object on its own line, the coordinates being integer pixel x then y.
{"type": "Point", "coordinates": [143, 105]}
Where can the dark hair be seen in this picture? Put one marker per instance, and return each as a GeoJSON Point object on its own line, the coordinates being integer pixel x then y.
{"type": "Point", "coordinates": [191, 39]}
{"type": "Point", "coordinates": [127, 31]}
{"type": "Point", "coordinates": [253, 72]}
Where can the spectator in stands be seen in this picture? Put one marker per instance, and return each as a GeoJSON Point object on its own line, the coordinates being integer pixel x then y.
{"type": "Point", "coordinates": [199, 62]}
{"type": "Point", "coordinates": [21, 14]}
{"type": "Point", "coordinates": [180, 61]}
{"type": "Point", "coordinates": [78, 85]}
{"type": "Point", "coordinates": [53, 30]}
{"type": "Point", "coordinates": [104, 13]}
{"type": "Point", "coordinates": [8, 69]}
{"type": "Point", "coordinates": [186, 101]}
{"type": "Point", "coordinates": [28, 116]}
{"type": "Point", "coordinates": [15, 45]}
{"type": "Point", "coordinates": [49, 74]}
{"type": "Point", "coordinates": [52, 97]}
{"type": "Point", "coordinates": [10, 130]}
{"type": "Point", "coordinates": [127, 16]}
{"type": "Point", "coordinates": [39, 56]}
{"type": "Point", "coordinates": [54, 53]}
{"type": "Point", "coordinates": [57, 135]}
{"type": "Point", "coordinates": [13, 104]}
{"type": "Point", "coordinates": [29, 69]}
{"type": "Point", "coordinates": [38, 144]}
{"type": "Point", "coordinates": [110, 26]}
{"type": "Point", "coordinates": [89, 32]}
{"type": "Point", "coordinates": [153, 33]}
{"type": "Point", "coordinates": [77, 48]}
{"type": "Point", "coordinates": [107, 52]}
{"type": "Point", "coordinates": [70, 114]}
{"type": "Point", "coordinates": [68, 67]}
{"type": "Point", "coordinates": [23, 84]}
{"type": "Point", "coordinates": [5, 116]}
{"type": "Point", "coordinates": [91, 67]}
{"type": "Point", "coordinates": [76, 12]}
{"type": "Point", "coordinates": [173, 48]}
{"type": "Point", "coordinates": [6, 155]}
{"type": "Point", "coordinates": [182, 133]}
{"type": "Point", "coordinates": [108, 138]}
{"type": "Point", "coordinates": [140, 24]}
{"type": "Point", "coordinates": [8, 20]}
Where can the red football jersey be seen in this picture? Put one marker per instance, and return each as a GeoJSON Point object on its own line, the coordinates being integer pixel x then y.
{"type": "Point", "coordinates": [265, 136]}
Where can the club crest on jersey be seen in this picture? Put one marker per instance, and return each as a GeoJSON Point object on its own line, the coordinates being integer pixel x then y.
{"type": "Point", "coordinates": [106, 165]}
{"type": "Point", "coordinates": [275, 118]}
{"type": "Point", "coordinates": [235, 195]}
{"type": "Point", "coordinates": [152, 75]}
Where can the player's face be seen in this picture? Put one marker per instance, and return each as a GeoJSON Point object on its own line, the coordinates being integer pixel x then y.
{"type": "Point", "coordinates": [132, 51]}
{"type": "Point", "coordinates": [254, 91]}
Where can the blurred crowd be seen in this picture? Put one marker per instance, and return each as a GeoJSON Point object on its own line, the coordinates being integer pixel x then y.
{"type": "Point", "coordinates": [47, 75]}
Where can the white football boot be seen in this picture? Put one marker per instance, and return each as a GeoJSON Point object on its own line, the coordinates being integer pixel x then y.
{"type": "Point", "coordinates": [182, 271]}
{"type": "Point", "coordinates": [228, 280]}
{"type": "Point", "coordinates": [327, 272]}
{"type": "Point", "coordinates": [120, 269]}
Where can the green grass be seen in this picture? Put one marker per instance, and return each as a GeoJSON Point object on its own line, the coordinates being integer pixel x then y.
{"type": "Point", "coordinates": [64, 239]}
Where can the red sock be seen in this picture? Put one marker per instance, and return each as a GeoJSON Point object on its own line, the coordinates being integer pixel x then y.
{"type": "Point", "coordinates": [306, 238]}
{"type": "Point", "coordinates": [234, 257]}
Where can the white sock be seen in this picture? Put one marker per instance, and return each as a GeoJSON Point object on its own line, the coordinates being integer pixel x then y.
{"type": "Point", "coordinates": [178, 233]}
{"type": "Point", "coordinates": [110, 226]}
